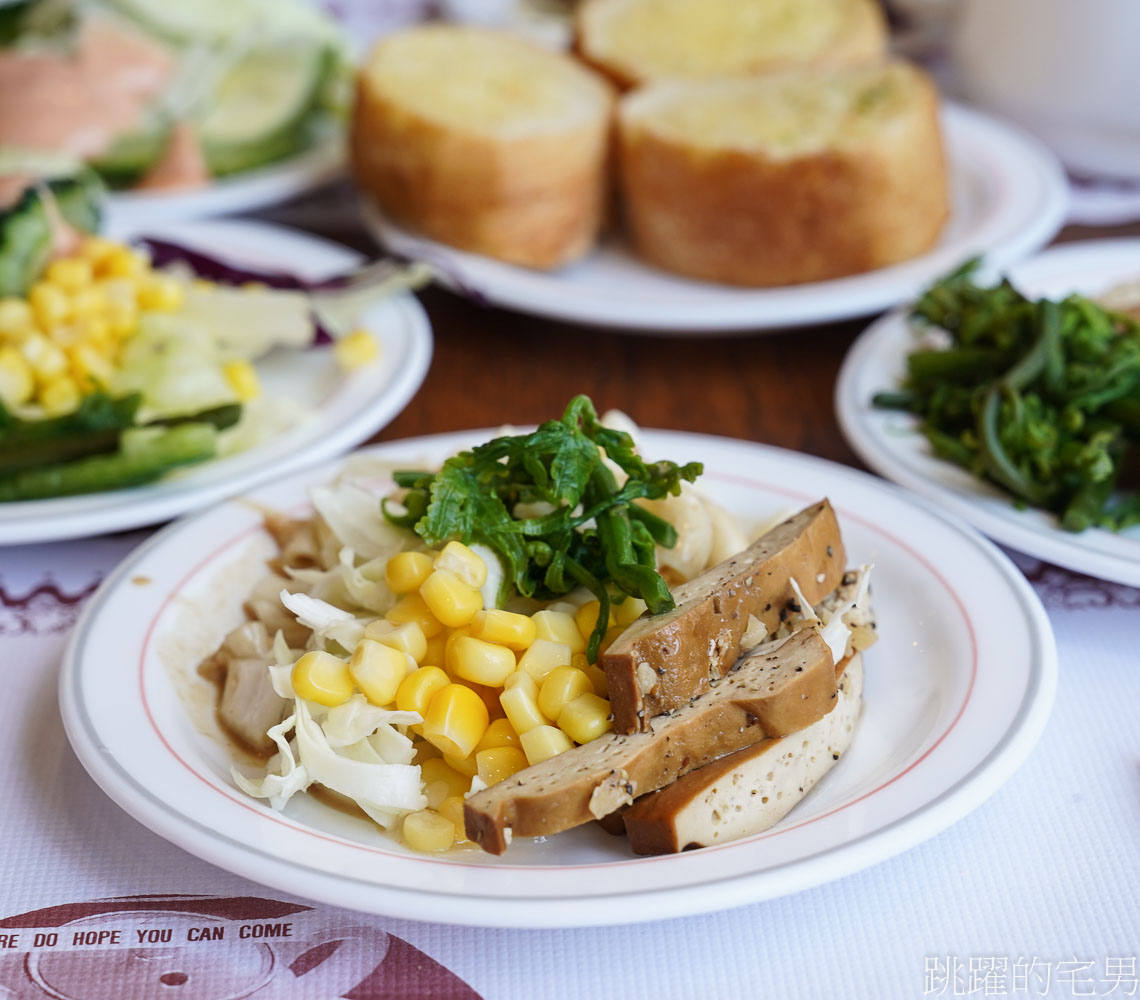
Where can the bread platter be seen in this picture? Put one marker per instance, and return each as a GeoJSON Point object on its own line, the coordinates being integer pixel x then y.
{"type": "Point", "coordinates": [957, 692]}
{"type": "Point", "coordinates": [1008, 198]}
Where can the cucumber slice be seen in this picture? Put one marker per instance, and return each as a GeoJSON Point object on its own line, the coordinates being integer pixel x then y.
{"type": "Point", "coordinates": [26, 226]}
{"type": "Point", "coordinates": [262, 108]}
{"type": "Point", "coordinates": [133, 154]}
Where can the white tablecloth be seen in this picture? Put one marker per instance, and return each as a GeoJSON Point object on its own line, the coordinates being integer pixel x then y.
{"type": "Point", "coordinates": [1037, 893]}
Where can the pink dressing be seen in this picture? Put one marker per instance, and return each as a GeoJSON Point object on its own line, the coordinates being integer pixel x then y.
{"type": "Point", "coordinates": [79, 102]}
{"type": "Point", "coordinates": [182, 165]}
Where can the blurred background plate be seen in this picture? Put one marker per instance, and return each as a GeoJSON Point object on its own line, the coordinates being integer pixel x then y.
{"type": "Point", "coordinates": [131, 212]}
{"type": "Point", "coordinates": [345, 409]}
{"type": "Point", "coordinates": [890, 443]}
{"type": "Point", "coordinates": [1009, 198]}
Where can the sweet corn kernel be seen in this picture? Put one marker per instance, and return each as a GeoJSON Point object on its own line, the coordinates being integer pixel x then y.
{"type": "Point", "coordinates": [378, 670]}
{"type": "Point", "coordinates": [629, 610]}
{"type": "Point", "coordinates": [122, 262]}
{"type": "Point", "coordinates": [452, 808]}
{"type": "Point", "coordinates": [442, 781]}
{"type": "Point", "coordinates": [585, 718]}
{"type": "Point", "coordinates": [498, 763]}
{"type": "Point", "coordinates": [500, 733]}
{"type": "Point", "coordinates": [413, 608]}
{"type": "Point", "coordinates": [16, 318]}
{"type": "Point", "coordinates": [43, 357]}
{"type": "Point", "coordinates": [88, 366]}
{"type": "Point", "coordinates": [58, 395]}
{"type": "Point", "coordinates": [122, 318]}
{"type": "Point", "coordinates": [428, 832]}
{"type": "Point", "coordinates": [407, 637]}
{"type": "Point", "coordinates": [50, 304]}
{"type": "Point", "coordinates": [464, 765]}
{"type": "Point", "coordinates": [479, 661]}
{"type": "Point", "coordinates": [242, 377]}
{"type": "Point", "coordinates": [89, 301]}
{"type": "Point", "coordinates": [522, 709]}
{"type": "Point", "coordinates": [544, 655]}
{"type": "Point", "coordinates": [504, 627]}
{"type": "Point", "coordinates": [520, 678]}
{"type": "Point", "coordinates": [96, 248]}
{"type": "Point", "coordinates": [451, 600]}
{"type": "Point", "coordinates": [464, 563]}
{"type": "Point", "coordinates": [161, 293]}
{"type": "Point", "coordinates": [17, 381]}
{"type": "Point", "coordinates": [321, 677]}
{"type": "Point", "coordinates": [406, 571]}
{"type": "Point", "coordinates": [355, 350]}
{"type": "Point", "coordinates": [416, 690]}
{"type": "Point", "coordinates": [456, 720]}
{"type": "Point", "coordinates": [561, 685]}
{"type": "Point", "coordinates": [93, 330]}
{"type": "Point", "coordinates": [559, 626]}
{"type": "Point", "coordinates": [436, 651]}
{"type": "Point", "coordinates": [587, 617]}
{"type": "Point", "coordinates": [69, 273]}
{"type": "Point", "coordinates": [542, 742]}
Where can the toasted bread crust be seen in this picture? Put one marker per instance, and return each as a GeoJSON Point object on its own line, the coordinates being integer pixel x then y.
{"type": "Point", "coordinates": [860, 38]}
{"type": "Point", "coordinates": [532, 197]}
{"type": "Point", "coordinates": [749, 217]}
{"type": "Point", "coordinates": [661, 663]}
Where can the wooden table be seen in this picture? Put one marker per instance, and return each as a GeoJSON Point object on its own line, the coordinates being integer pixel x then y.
{"type": "Point", "coordinates": [492, 366]}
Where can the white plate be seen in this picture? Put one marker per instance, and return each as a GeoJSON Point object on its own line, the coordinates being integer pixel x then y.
{"type": "Point", "coordinates": [958, 691]}
{"type": "Point", "coordinates": [889, 442]}
{"type": "Point", "coordinates": [345, 409]}
{"type": "Point", "coordinates": [1009, 197]}
{"type": "Point", "coordinates": [129, 212]}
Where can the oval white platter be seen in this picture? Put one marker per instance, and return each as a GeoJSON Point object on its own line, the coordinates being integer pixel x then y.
{"type": "Point", "coordinates": [344, 409]}
{"type": "Point", "coordinates": [958, 690]}
{"type": "Point", "coordinates": [130, 212]}
{"type": "Point", "coordinates": [890, 443]}
{"type": "Point", "coordinates": [1008, 198]}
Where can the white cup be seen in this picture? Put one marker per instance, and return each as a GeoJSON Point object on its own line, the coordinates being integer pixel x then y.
{"type": "Point", "coordinates": [1068, 70]}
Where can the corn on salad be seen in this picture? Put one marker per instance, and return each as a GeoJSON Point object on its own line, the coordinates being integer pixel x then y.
{"type": "Point", "coordinates": [475, 693]}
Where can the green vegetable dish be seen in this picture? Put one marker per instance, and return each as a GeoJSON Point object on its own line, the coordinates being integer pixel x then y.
{"type": "Point", "coordinates": [1039, 397]}
{"type": "Point", "coordinates": [581, 528]}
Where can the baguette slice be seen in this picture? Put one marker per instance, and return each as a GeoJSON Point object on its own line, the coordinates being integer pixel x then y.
{"type": "Point", "coordinates": [750, 790]}
{"type": "Point", "coordinates": [778, 689]}
{"type": "Point", "coordinates": [638, 41]}
{"type": "Point", "coordinates": [484, 142]}
{"type": "Point", "coordinates": [659, 663]}
{"type": "Point", "coordinates": [784, 179]}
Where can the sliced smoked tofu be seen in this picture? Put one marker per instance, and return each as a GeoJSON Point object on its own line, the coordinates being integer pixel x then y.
{"type": "Point", "coordinates": [637, 41]}
{"type": "Point", "coordinates": [484, 142]}
{"type": "Point", "coordinates": [786, 178]}
{"type": "Point", "coordinates": [746, 792]}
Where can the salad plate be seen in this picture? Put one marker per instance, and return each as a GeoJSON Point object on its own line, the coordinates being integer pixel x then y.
{"type": "Point", "coordinates": [129, 213]}
{"type": "Point", "coordinates": [1008, 198]}
{"type": "Point", "coordinates": [339, 409]}
{"type": "Point", "coordinates": [958, 690]}
{"type": "Point", "coordinates": [890, 443]}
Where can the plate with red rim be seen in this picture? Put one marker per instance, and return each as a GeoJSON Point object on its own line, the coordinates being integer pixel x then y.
{"type": "Point", "coordinates": [891, 444]}
{"type": "Point", "coordinates": [343, 408]}
{"type": "Point", "coordinates": [958, 690]}
{"type": "Point", "coordinates": [1008, 198]}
